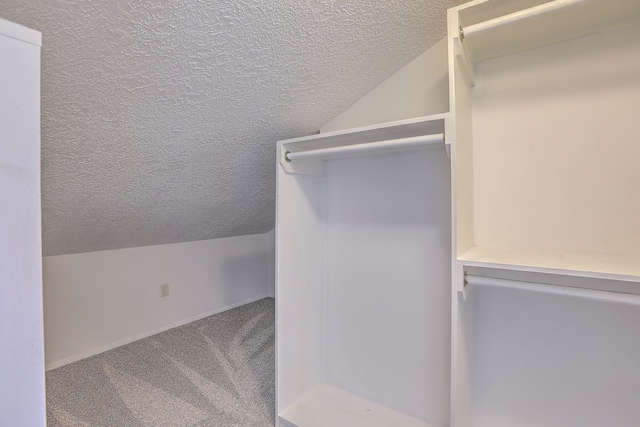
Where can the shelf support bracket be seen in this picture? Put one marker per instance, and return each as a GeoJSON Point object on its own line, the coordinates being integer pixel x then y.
{"type": "Point", "coordinates": [462, 292]}
{"type": "Point", "coordinates": [463, 60]}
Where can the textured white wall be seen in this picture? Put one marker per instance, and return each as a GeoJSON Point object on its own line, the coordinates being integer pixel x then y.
{"type": "Point", "coordinates": [98, 300]}
{"type": "Point", "coordinates": [420, 88]}
{"type": "Point", "coordinates": [21, 352]}
{"type": "Point", "coordinates": [160, 117]}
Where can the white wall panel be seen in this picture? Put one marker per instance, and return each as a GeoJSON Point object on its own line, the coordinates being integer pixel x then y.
{"type": "Point", "coordinates": [555, 361]}
{"type": "Point", "coordinates": [22, 399]}
{"type": "Point", "coordinates": [418, 89]}
{"type": "Point", "coordinates": [99, 300]}
{"type": "Point", "coordinates": [388, 296]}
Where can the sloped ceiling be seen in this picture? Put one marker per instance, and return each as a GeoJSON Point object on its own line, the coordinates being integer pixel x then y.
{"type": "Point", "coordinates": [159, 118]}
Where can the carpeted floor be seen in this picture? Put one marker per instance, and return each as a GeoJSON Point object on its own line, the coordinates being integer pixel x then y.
{"type": "Point", "coordinates": [218, 371]}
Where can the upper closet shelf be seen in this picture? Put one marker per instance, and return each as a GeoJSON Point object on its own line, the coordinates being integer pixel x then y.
{"type": "Point", "coordinates": [306, 155]}
{"type": "Point", "coordinates": [491, 32]}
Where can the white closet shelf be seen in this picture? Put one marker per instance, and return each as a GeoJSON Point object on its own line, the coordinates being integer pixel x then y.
{"type": "Point", "coordinates": [325, 405]}
{"type": "Point", "coordinates": [600, 266]}
{"type": "Point", "coordinates": [306, 155]}
{"type": "Point", "coordinates": [487, 36]}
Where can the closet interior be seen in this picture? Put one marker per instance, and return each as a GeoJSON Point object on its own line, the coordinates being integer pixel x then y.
{"type": "Point", "coordinates": [480, 267]}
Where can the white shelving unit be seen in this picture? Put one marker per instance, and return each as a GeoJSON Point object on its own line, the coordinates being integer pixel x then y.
{"type": "Point", "coordinates": [544, 99]}
{"type": "Point", "coordinates": [363, 277]}
{"type": "Point", "coordinates": [507, 296]}
{"type": "Point", "coordinates": [545, 135]}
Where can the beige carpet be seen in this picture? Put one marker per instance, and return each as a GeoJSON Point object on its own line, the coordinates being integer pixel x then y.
{"type": "Point", "coordinates": [218, 371]}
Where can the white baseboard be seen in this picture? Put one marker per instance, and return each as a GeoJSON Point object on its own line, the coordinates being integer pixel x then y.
{"type": "Point", "coordinates": [111, 346]}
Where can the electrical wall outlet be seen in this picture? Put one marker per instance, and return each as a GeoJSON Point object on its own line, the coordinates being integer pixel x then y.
{"type": "Point", "coordinates": [164, 290]}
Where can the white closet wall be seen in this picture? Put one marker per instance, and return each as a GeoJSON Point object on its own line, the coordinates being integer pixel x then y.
{"type": "Point", "coordinates": [363, 283]}
{"type": "Point", "coordinates": [418, 89]}
{"type": "Point", "coordinates": [549, 360]}
{"type": "Point", "coordinates": [22, 399]}
{"type": "Point", "coordinates": [387, 330]}
{"type": "Point", "coordinates": [83, 291]}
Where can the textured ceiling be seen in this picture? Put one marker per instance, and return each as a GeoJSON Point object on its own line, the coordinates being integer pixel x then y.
{"type": "Point", "coordinates": [159, 118]}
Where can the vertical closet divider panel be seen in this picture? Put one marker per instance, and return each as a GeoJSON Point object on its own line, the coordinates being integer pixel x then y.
{"type": "Point", "coordinates": [544, 99]}
{"type": "Point", "coordinates": [21, 299]}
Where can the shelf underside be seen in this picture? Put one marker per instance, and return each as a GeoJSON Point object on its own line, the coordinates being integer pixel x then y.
{"type": "Point", "coordinates": [356, 142]}
{"type": "Point", "coordinates": [325, 405]}
{"type": "Point", "coordinates": [583, 18]}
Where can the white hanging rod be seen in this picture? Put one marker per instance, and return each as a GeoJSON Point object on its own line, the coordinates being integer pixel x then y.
{"type": "Point", "coordinates": [532, 12]}
{"type": "Point", "coordinates": [369, 147]}
{"type": "Point", "coordinates": [588, 294]}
